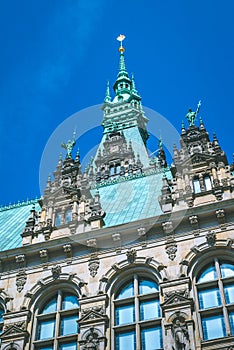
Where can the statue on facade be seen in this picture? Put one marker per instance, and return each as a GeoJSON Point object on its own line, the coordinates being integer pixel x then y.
{"type": "Point", "coordinates": [181, 336]}
{"type": "Point", "coordinates": [191, 116]}
{"type": "Point", "coordinates": [91, 342]}
{"type": "Point", "coordinates": [69, 145]}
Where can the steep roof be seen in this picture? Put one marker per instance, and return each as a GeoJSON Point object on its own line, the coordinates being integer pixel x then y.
{"type": "Point", "coordinates": [12, 222]}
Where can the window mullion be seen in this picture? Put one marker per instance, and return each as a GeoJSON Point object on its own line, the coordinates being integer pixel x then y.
{"type": "Point", "coordinates": [225, 312]}
{"type": "Point", "coordinates": [57, 320]}
{"type": "Point", "coordinates": [137, 312]}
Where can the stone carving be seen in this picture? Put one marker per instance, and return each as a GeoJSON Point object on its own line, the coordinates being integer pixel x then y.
{"type": "Point", "coordinates": [56, 270]}
{"type": "Point", "coordinates": [141, 231]}
{"type": "Point", "coordinates": [193, 221]}
{"type": "Point", "coordinates": [20, 324]}
{"type": "Point", "coordinates": [67, 248]}
{"type": "Point", "coordinates": [220, 214]}
{"type": "Point", "coordinates": [44, 255]}
{"type": "Point", "coordinates": [93, 311]}
{"type": "Point", "coordinates": [167, 226]}
{"type": "Point", "coordinates": [93, 267]}
{"type": "Point", "coordinates": [171, 249]}
{"type": "Point", "coordinates": [183, 268]}
{"type": "Point", "coordinates": [20, 260]}
{"type": "Point", "coordinates": [91, 342]}
{"type": "Point", "coordinates": [21, 279]}
{"type": "Point", "coordinates": [211, 237]}
{"type": "Point", "coordinates": [180, 333]}
{"type": "Point", "coordinates": [116, 237]}
{"type": "Point", "coordinates": [175, 295]}
{"type": "Point", "coordinates": [131, 255]}
{"type": "Point", "coordinates": [91, 242]}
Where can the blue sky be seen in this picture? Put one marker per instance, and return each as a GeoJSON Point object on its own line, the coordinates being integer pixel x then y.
{"type": "Point", "coordinates": [56, 57]}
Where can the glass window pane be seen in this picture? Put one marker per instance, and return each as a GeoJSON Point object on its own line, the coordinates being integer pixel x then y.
{"type": "Point", "coordinates": [126, 292]}
{"type": "Point", "coordinates": [213, 327]}
{"type": "Point", "coordinates": [151, 338]}
{"type": "Point", "coordinates": [147, 286]}
{"type": "Point", "coordinates": [196, 186]}
{"type": "Point", "coordinates": [149, 309]}
{"type": "Point", "coordinates": [69, 325]}
{"type": "Point", "coordinates": [124, 314]}
{"type": "Point", "coordinates": [208, 275]}
{"type": "Point", "coordinates": [46, 348]}
{"type": "Point", "coordinates": [70, 346]}
{"type": "Point", "coordinates": [1, 314]}
{"type": "Point", "coordinates": [69, 302]}
{"type": "Point", "coordinates": [46, 329]}
{"type": "Point", "coordinates": [229, 293]}
{"type": "Point", "coordinates": [126, 341]}
{"type": "Point", "coordinates": [207, 182]}
{"type": "Point", "coordinates": [68, 215]}
{"type": "Point", "coordinates": [231, 318]}
{"type": "Point", "coordinates": [58, 219]}
{"type": "Point", "coordinates": [51, 306]}
{"type": "Point", "coordinates": [209, 298]}
{"type": "Point", "coordinates": [227, 270]}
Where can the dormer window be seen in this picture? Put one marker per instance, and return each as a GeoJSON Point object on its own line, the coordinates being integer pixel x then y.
{"type": "Point", "coordinates": [196, 186]}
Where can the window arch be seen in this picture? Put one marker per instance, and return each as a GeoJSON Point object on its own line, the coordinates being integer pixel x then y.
{"type": "Point", "coordinates": [56, 322]}
{"type": "Point", "coordinates": [215, 299]}
{"type": "Point", "coordinates": [137, 315]}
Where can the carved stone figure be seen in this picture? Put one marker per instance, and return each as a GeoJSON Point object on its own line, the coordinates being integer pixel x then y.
{"type": "Point", "coordinates": [93, 267]}
{"type": "Point", "coordinates": [91, 342]}
{"type": "Point", "coordinates": [21, 279]}
{"type": "Point", "coordinates": [181, 336]}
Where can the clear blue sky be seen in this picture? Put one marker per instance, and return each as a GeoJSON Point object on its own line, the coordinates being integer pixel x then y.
{"type": "Point", "coordinates": [57, 55]}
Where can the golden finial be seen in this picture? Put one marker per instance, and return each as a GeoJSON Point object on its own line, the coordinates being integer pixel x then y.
{"type": "Point", "coordinates": [121, 38]}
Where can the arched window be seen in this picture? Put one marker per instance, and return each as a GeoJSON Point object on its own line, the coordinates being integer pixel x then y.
{"type": "Point", "coordinates": [215, 298]}
{"type": "Point", "coordinates": [137, 323]}
{"type": "Point", "coordinates": [56, 323]}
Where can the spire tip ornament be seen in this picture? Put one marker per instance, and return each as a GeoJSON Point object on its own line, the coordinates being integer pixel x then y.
{"type": "Point", "coordinates": [121, 38]}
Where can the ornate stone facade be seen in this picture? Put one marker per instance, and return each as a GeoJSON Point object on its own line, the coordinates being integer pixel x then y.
{"type": "Point", "coordinates": [76, 273]}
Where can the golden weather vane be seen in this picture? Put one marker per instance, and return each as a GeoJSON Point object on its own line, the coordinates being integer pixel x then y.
{"type": "Point", "coordinates": [121, 38]}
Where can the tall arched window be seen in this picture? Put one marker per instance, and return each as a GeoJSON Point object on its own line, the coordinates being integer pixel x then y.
{"type": "Point", "coordinates": [137, 321]}
{"type": "Point", "coordinates": [56, 323]}
{"type": "Point", "coordinates": [215, 292]}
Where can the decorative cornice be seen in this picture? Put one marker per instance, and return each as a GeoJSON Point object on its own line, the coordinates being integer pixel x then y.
{"type": "Point", "coordinates": [19, 204]}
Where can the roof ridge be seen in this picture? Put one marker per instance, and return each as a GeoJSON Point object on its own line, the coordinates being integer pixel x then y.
{"type": "Point", "coordinates": [19, 204]}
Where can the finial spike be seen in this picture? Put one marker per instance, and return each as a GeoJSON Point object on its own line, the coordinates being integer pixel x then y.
{"type": "Point", "coordinates": [133, 85]}
{"type": "Point", "coordinates": [107, 97]}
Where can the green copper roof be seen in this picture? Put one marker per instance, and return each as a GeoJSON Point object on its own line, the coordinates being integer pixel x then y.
{"type": "Point", "coordinates": [12, 223]}
{"type": "Point", "coordinates": [131, 200]}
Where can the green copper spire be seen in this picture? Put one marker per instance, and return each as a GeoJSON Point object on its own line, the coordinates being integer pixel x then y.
{"type": "Point", "coordinates": [122, 67]}
{"type": "Point", "coordinates": [107, 97]}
